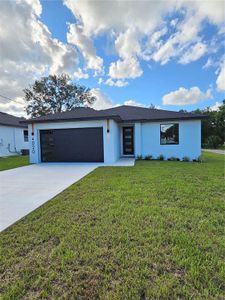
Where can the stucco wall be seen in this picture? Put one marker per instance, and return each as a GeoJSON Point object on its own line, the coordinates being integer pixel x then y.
{"type": "Point", "coordinates": [189, 140]}
{"type": "Point", "coordinates": [14, 137]}
{"type": "Point", "coordinates": [110, 140]}
{"type": "Point", "coordinates": [137, 139]}
{"type": "Point", "coordinates": [146, 139]}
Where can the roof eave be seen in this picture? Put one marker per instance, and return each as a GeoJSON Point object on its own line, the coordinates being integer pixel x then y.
{"type": "Point", "coordinates": [11, 125]}
{"type": "Point", "coordinates": [115, 118]}
{"type": "Point", "coordinates": [166, 119]}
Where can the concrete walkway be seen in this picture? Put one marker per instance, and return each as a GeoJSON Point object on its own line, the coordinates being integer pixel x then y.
{"type": "Point", "coordinates": [214, 151]}
{"type": "Point", "coordinates": [24, 189]}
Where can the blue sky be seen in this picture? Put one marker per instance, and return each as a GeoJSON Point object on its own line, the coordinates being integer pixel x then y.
{"type": "Point", "coordinates": [169, 54]}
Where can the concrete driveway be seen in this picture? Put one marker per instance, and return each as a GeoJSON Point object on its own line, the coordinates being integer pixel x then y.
{"type": "Point", "coordinates": [24, 189]}
{"type": "Point", "coordinates": [214, 151]}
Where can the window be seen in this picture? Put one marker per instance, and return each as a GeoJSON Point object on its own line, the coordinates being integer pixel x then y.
{"type": "Point", "coordinates": [25, 135]}
{"type": "Point", "coordinates": [169, 134]}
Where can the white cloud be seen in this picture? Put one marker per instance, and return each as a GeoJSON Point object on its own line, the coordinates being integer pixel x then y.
{"type": "Point", "coordinates": [127, 44]}
{"type": "Point", "coordinates": [216, 106]}
{"type": "Point", "coordinates": [184, 96]}
{"type": "Point", "coordinates": [77, 37]}
{"type": "Point", "coordinates": [15, 107]}
{"type": "Point", "coordinates": [98, 17]}
{"type": "Point", "coordinates": [220, 82]}
{"type": "Point", "coordinates": [209, 63]}
{"type": "Point", "coordinates": [182, 43]}
{"type": "Point", "coordinates": [146, 30]}
{"type": "Point", "coordinates": [80, 74]}
{"type": "Point", "coordinates": [193, 53]}
{"type": "Point", "coordinates": [174, 22]}
{"type": "Point", "coordinates": [213, 11]}
{"type": "Point", "coordinates": [134, 103]}
{"type": "Point", "coordinates": [129, 22]}
{"type": "Point", "coordinates": [111, 82]}
{"type": "Point", "coordinates": [129, 68]}
{"type": "Point", "coordinates": [154, 40]}
{"type": "Point", "coordinates": [28, 50]}
{"type": "Point", "coordinates": [102, 101]}
{"type": "Point", "coordinates": [222, 30]}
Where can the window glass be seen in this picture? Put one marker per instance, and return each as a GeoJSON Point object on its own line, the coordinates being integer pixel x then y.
{"type": "Point", "coordinates": [169, 134]}
{"type": "Point", "coordinates": [25, 135]}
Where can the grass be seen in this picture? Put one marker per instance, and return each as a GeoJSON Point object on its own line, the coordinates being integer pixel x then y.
{"type": "Point", "coordinates": [154, 231]}
{"type": "Point", "coordinates": [12, 162]}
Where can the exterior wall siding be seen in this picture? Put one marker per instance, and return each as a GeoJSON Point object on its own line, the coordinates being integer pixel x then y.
{"type": "Point", "coordinates": [110, 139]}
{"type": "Point", "coordinates": [137, 139]}
{"type": "Point", "coordinates": [189, 140]}
{"type": "Point", "coordinates": [146, 139]}
{"type": "Point", "coordinates": [12, 138]}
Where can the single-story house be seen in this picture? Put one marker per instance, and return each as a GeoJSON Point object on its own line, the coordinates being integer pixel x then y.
{"type": "Point", "coordinates": [88, 135]}
{"type": "Point", "coordinates": [13, 135]}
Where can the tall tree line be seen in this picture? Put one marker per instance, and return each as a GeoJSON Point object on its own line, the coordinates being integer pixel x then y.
{"type": "Point", "coordinates": [213, 127]}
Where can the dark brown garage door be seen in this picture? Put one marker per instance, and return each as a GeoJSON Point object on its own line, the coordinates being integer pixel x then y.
{"type": "Point", "coordinates": [72, 145]}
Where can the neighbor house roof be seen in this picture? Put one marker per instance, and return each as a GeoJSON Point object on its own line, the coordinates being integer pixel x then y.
{"type": "Point", "coordinates": [122, 113]}
{"type": "Point", "coordinates": [9, 120]}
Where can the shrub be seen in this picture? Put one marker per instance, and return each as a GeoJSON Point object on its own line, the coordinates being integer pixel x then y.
{"type": "Point", "coordinates": [161, 157]}
{"type": "Point", "coordinates": [139, 157]}
{"type": "Point", "coordinates": [186, 158]}
{"type": "Point", "coordinates": [199, 159]}
{"type": "Point", "coordinates": [172, 158]}
{"type": "Point", "coordinates": [214, 142]}
{"type": "Point", "coordinates": [148, 157]}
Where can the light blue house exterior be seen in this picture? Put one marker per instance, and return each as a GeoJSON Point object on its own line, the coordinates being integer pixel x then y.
{"type": "Point", "coordinates": [178, 136]}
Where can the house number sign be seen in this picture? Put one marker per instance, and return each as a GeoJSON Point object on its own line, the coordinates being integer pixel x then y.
{"type": "Point", "coordinates": [33, 146]}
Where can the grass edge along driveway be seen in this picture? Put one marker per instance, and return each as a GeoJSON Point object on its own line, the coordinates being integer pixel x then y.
{"type": "Point", "coordinates": [154, 231]}
{"type": "Point", "coordinates": [12, 162]}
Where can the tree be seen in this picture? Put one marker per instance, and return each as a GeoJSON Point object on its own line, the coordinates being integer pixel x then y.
{"type": "Point", "coordinates": [55, 93]}
{"type": "Point", "coordinates": [213, 128]}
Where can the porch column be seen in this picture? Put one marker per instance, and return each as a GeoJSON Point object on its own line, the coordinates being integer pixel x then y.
{"type": "Point", "coordinates": [137, 139]}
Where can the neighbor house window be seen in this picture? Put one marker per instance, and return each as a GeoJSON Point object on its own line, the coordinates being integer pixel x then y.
{"type": "Point", "coordinates": [169, 134]}
{"type": "Point", "coordinates": [25, 135]}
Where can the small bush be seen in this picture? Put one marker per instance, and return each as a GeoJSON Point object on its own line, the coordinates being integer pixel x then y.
{"type": "Point", "coordinates": [186, 158]}
{"type": "Point", "coordinates": [172, 158]}
{"type": "Point", "coordinates": [148, 157]}
{"type": "Point", "coordinates": [160, 157]}
{"type": "Point", "coordinates": [139, 157]}
{"type": "Point", "coordinates": [178, 159]}
{"type": "Point", "coordinates": [213, 142]}
{"type": "Point", "coordinates": [199, 159]}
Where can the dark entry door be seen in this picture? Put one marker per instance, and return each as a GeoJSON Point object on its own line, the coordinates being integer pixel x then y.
{"type": "Point", "coordinates": [72, 145]}
{"type": "Point", "coordinates": [128, 140]}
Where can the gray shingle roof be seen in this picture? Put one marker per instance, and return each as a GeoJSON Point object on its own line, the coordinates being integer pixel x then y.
{"type": "Point", "coordinates": [9, 120]}
{"type": "Point", "coordinates": [122, 113]}
{"type": "Point", "coordinates": [136, 113]}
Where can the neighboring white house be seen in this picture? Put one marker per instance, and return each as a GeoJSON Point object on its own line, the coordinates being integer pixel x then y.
{"type": "Point", "coordinates": [88, 135]}
{"type": "Point", "coordinates": [13, 135]}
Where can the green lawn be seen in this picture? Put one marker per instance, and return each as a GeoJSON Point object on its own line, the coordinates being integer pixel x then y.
{"type": "Point", "coordinates": [153, 231]}
{"type": "Point", "coordinates": [13, 162]}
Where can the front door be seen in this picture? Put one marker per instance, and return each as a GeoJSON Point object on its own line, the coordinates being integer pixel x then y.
{"type": "Point", "coordinates": [128, 140]}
